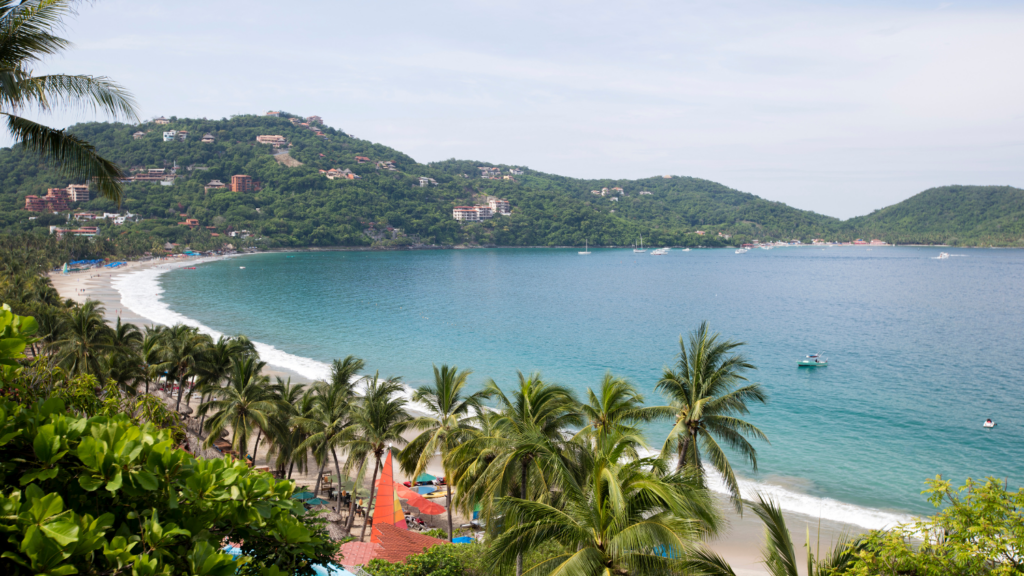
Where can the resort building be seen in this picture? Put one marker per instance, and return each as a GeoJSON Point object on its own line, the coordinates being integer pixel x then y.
{"type": "Point", "coordinates": [170, 135]}
{"type": "Point", "coordinates": [274, 140]}
{"type": "Point", "coordinates": [207, 138]}
{"type": "Point", "coordinates": [214, 185]}
{"type": "Point", "coordinates": [499, 206]}
{"type": "Point", "coordinates": [162, 120]}
{"type": "Point", "coordinates": [361, 159]}
{"type": "Point", "coordinates": [182, 135]}
{"type": "Point", "coordinates": [192, 223]}
{"type": "Point", "coordinates": [466, 213]}
{"type": "Point", "coordinates": [82, 231]}
{"type": "Point", "coordinates": [139, 135]}
{"type": "Point", "coordinates": [241, 183]}
{"type": "Point", "coordinates": [56, 200]}
{"type": "Point", "coordinates": [78, 192]}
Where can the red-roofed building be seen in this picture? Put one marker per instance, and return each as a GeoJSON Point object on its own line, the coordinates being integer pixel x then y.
{"type": "Point", "coordinates": [361, 159]}
{"type": "Point", "coordinates": [394, 545]}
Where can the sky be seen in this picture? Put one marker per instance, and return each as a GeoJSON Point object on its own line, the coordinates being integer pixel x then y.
{"type": "Point", "coordinates": [837, 107]}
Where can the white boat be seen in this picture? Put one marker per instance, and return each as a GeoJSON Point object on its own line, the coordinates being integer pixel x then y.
{"type": "Point", "coordinates": [686, 249]}
{"type": "Point", "coordinates": [989, 424]}
{"type": "Point", "coordinates": [659, 252]}
{"type": "Point", "coordinates": [742, 250]}
{"type": "Point", "coordinates": [641, 249]}
{"type": "Point", "coordinates": [942, 256]}
{"type": "Point", "coordinates": [241, 267]}
{"type": "Point", "coordinates": [586, 247]}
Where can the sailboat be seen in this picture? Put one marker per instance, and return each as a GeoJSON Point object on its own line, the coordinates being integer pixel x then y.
{"type": "Point", "coordinates": [586, 247]}
{"type": "Point", "coordinates": [641, 249]}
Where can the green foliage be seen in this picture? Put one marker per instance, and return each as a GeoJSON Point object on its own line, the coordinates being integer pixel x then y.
{"type": "Point", "coordinates": [15, 334]}
{"type": "Point", "coordinates": [438, 533]}
{"type": "Point", "coordinates": [980, 531]}
{"type": "Point", "coordinates": [442, 560]}
{"type": "Point", "coordinates": [105, 495]}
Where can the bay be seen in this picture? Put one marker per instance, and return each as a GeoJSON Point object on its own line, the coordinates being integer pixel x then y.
{"type": "Point", "coordinates": [921, 350]}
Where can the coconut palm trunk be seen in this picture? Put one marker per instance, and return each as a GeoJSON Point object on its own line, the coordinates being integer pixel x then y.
{"type": "Point", "coordinates": [337, 469]}
{"type": "Point", "coordinates": [373, 486]}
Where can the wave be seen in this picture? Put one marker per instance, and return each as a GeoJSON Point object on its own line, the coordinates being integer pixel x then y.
{"type": "Point", "coordinates": [140, 292]}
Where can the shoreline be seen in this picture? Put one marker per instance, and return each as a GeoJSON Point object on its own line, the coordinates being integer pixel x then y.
{"type": "Point", "coordinates": [740, 542]}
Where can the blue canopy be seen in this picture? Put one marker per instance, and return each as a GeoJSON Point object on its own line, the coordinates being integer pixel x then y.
{"type": "Point", "coordinates": [462, 540]}
{"type": "Point", "coordinates": [303, 495]}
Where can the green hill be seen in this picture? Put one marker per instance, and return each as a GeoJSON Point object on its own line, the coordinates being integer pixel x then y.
{"type": "Point", "coordinates": [956, 215]}
{"type": "Point", "coordinates": [385, 204]}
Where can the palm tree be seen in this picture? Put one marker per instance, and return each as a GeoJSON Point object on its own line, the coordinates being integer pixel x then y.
{"type": "Point", "coordinates": [151, 353]}
{"type": "Point", "coordinates": [379, 423]}
{"type": "Point", "coordinates": [615, 412]}
{"type": "Point", "coordinates": [626, 518]}
{"type": "Point", "coordinates": [527, 453]}
{"type": "Point", "coordinates": [779, 552]}
{"type": "Point", "coordinates": [125, 363]}
{"type": "Point", "coordinates": [215, 361]}
{"type": "Point", "coordinates": [246, 403]}
{"type": "Point", "coordinates": [282, 434]}
{"type": "Point", "coordinates": [449, 423]}
{"type": "Point", "coordinates": [28, 34]}
{"type": "Point", "coordinates": [85, 342]}
{"type": "Point", "coordinates": [182, 347]}
{"type": "Point", "coordinates": [708, 393]}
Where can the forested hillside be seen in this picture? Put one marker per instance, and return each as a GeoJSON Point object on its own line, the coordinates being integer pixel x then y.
{"type": "Point", "coordinates": [297, 205]}
{"type": "Point", "coordinates": [964, 215]}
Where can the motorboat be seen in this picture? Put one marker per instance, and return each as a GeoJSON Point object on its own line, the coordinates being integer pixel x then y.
{"type": "Point", "coordinates": [813, 361]}
{"type": "Point", "coordinates": [942, 256]}
{"type": "Point", "coordinates": [241, 267]}
{"type": "Point", "coordinates": [686, 249]}
{"type": "Point", "coordinates": [743, 251]}
{"type": "Point", "coordinates": [989, 423]}
{"type": "Point", "coordinates": [586, 247]}
{"type": "Point", "coordinates": [659, 252]}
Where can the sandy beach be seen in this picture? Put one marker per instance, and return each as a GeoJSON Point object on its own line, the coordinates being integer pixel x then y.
{"type": "Point", "coordinates": [740, 543]}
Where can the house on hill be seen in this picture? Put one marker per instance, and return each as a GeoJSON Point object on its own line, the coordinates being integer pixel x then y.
{"type": "Point", "coordinates": [162, 120]}
{"type": "Point", "coordinates": [207, 138]}
{"type": "Point", "coordinates": [138, 135]}
{"type": "Point", "coordinates": [361, 159]}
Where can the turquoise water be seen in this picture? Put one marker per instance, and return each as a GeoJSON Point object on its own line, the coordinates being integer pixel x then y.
{"type": "Point", "coordinates": [922, 350]}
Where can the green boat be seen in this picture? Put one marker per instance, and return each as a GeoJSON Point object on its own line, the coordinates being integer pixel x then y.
{"type": "Point", "coordinates": [813, 361]}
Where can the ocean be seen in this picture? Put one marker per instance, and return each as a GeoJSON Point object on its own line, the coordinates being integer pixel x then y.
{"type": "Point", "coordinates": [921, 350]}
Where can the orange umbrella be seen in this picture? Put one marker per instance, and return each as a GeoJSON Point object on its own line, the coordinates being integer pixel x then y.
{"type": "Point", "coordinates": [425, 506]}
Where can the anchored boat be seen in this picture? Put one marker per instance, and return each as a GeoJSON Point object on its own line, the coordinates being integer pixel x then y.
{"type": "Point", "coordinates": [813, 361]}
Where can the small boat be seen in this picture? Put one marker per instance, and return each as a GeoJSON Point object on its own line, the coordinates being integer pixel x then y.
{"type": "Point", "coordinates": [659, 252]}
{"type": "Point", "coordinates": [942, 256]}
{"type": "Point", "coordinates": [641, 249]}
{"type": "Point", "coordinates": [743, 251]}
{"type": "Point", "coordinates": [813, 361]}
{"type": "Point", "coordinates": [989, 423]}
{"type": "Point", "coordinates": [586, 247]}
{"type": "Point", "coordinates": [686, 249]}
{"type": "Point", "coordinates": [241, 267]}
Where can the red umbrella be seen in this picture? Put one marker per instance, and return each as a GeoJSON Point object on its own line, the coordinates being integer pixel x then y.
{"type": "Point", "coordinates": [425, 506]}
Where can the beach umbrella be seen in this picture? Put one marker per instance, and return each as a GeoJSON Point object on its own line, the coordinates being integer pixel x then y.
{"type": "Point", "coordinates": [317, 502]}
{"type": "Point", "coordinates": [336, 532]}
{"type": "Point", "coordinates": [303, 495]}
{"type": "Point", "coordinates": [333, 517]}
{"type": "Point", "coordinates": [425, 478]}
{"type": "Point", "coordinates": [419, 502]}
{"type": "Point", "coordinates": [186, 410]}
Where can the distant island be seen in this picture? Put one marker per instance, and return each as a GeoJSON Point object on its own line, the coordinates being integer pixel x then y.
{"type": "Point", "coordinates": [282, 181]}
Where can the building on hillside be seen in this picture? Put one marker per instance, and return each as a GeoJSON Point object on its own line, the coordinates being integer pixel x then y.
{"type": "Point", "coordinates": [273, 113]}
{"type": "Point", "coordinates": [315, 120]}
{"type": "Point", "coordinates": [424, 182]}
{"type": "Point", "coordinates": [484, 212]}
{"type": "Point", "coordinates": [241, 183]}
{"type": "Point", "coordinates": [499, 206]}
{"type": "Point", "coordinates": [595, 192]}
{"type": "Point", "coordinates": [182, 135]}
{"type": "Point", "coordinates": [294, 120]}
{"type": "Point", "coordinates": [78, 192]}
{"type": "Point", "coordinates": [275, 140]}
{"type": "Point", "coordinates": [81, 231]}
{"type": "Point", "coordinates": [207, 138]}
{"type": "Point", "coordinates": [667, 176]}
{"type": "Point", "coordinates": [86, 216]}
{"type": "Point", "coordinates": [516, 172]}
{"type": "Point", "coordinates": [617, 190]}
{"type": "Point", "coordinates": [699, 232]}
{"type": "Point", "coordinates": [170, 135]}
{"type": "Point", "coordinates": [614, 199]}
{"type": "Point", "coordinates": [34, 203]}
{"type": "Point", "coordinates": [162, 120]}
{"type": "Point", "coordinates": [213, 185]}
{"type": "Point", "coordinates": [139, 135]}
{"type": "Point", "coordinates": [362, 159]}
{"type": "Point", "coordinates": [466, 213]}
{"type": "Point", "coordinates": [192, 223]}
{"type": "Point", "coordinates": [646, 193]}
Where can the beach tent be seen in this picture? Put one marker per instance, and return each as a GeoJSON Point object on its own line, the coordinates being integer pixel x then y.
{"type": "Point", "coordinates": [425, 478]}
{"type": "Point", "coordinates": [386, 507]}
{"type": "Point", "coordinates": [419, 502]}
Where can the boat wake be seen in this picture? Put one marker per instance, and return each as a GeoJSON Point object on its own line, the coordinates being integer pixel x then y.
{"type": "Point", "coordinates": [140, 292]}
